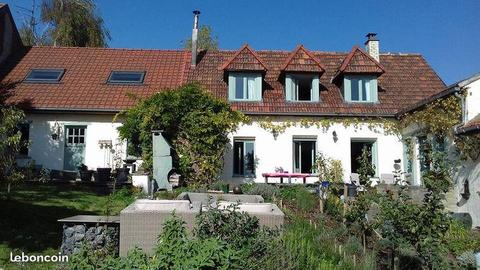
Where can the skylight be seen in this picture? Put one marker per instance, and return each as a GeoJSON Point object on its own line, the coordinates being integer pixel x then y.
{"type": "Point", "coordinates": [126, 77]}
{"type": "Point", "coordinates": [45, 75]}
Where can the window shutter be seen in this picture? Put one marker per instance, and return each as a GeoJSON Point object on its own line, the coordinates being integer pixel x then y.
{"type": "Point", "coordinates": [289, 88]}
{"type": "Point", "coordinates": [315, 88]}
{"type": "Point", "coordinates": [373, 90]}
{"type": "Point", "coordinates": [347, 89]}
{"type": "Point", "coordinates": [258, 88]}
{"type": "Point", "coordinates": [231, 87]}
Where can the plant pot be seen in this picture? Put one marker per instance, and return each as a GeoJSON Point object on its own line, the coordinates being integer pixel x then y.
{"type": "Point", "coordinates": [122, 174]}
{"type": "Point", "coordinates": [237, 190]}
{"type": "Point", "coordinates": [103, 174]}
{"type": "Point", "coordinates": [86, 176]}
{"type": "Point", "coordinates": [352, 190]}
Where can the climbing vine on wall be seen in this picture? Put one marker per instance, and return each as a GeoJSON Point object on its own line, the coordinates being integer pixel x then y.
{"type": "Point", "coordinates": [377, 124]}
{"type": "Point", "coordinates": [439, 118]}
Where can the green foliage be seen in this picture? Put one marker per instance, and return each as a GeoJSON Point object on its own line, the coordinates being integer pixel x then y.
{"type": "Point", "coordinates": [328, 169]}
{"type": "Point", "coordinates": [366, 169]}
{"type": "Point", "coordinates": [10, 144]}
{"type": "Point", "coordinates": [300, 197]}
{"type": "Point", "coordinates": [334, 207]}
{"type": "Point", "coordinates": [302, 246]}
{"type": "Point", "coordinates": [205, 39]}
{"type": "Point", "coordinates": [235, 227]}
{"type": "Point", "coordinates": [459, 239]}
{"type": "Point", "coordinates": [196, 123]}
{"type": "Point", "coordinates": [74, 23]}
{"type": "Point", "coordinates": [268, 192]}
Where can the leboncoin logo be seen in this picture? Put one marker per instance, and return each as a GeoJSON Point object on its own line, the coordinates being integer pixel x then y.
{"type": "Point", "coordinates": [24, 258]}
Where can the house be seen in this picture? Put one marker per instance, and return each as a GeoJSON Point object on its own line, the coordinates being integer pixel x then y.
{"type": "Point", "coordinates": [463, 198]}
{"type": "Point", "coordinates": [300, 102]}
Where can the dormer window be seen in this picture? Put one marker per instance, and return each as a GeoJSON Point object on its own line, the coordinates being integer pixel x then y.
{"type": "Point", "coordinates": [45, 75]}
{"type": "Point", "coordinates": [302, 87]}
{"type": "Point", "coordinates": [127, 77]}
{"type": "Point", "coordinates": [360, 88]}
{"type": "Point", "coordinates": [244, 86]}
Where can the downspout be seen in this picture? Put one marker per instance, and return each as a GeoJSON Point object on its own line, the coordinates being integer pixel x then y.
{"type": "Point", "coordinates": [463, 106]}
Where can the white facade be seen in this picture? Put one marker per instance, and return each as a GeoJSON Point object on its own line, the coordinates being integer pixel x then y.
{"type": "Point", "coordinates": [468, 170]}
{"type": "Point", "coordinates": [50, 152]}
{"type": "Point", "coordinates": [271, 153]}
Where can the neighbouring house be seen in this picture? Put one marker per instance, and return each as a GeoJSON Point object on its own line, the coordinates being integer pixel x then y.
{"type": "Point", "coordinates": [464, 197]}
{"type": "Point", "coordinates": [300, 102]}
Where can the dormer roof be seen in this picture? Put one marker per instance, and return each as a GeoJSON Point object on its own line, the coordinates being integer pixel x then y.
{"type": "Point", "coordinates": [359, 62]}
{"type": "Point", "coordinates": [244, 59]}
{"type": "Point", "coordinates": [302, 60]}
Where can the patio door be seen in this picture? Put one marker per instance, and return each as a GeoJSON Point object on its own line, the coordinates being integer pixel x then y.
{"type": "Point", "coordinates": [74, 153]}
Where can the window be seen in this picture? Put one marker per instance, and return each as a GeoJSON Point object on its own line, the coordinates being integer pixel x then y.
{"type": "Point", "coordinates": [126, 77]}
{"type": "Point", "coordinates": [304, 155]}
{"type": "Point", "coordinates": [25, 131]}
{"type": "Point", "coordinates": [302, 87]}
{"type": "Point", "coordinates": [45, 75]}
{"type": "Point", "coordinates": [75, 136]}
{"type": "Point", "coordinates": [245, 86]}
{"type": "Point", "coordinates": [356, 149]}
{"type": "Point", "coordinates": [360, 88]}
{"type": "Point", "coordinates": [244, 157]}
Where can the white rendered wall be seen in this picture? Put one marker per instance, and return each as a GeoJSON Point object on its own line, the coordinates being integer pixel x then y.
{"type": "Point", "coordinates": [271, 153]}
{"type": "Point", "coordinates": [472, 100]}
{"type": "Point", "coordinates": [49, 153]}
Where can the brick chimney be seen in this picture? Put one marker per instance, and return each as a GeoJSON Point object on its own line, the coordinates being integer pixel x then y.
{"type": "Point", "coordinates": [372, 46]}
{"type": "Point", "coordinates": [196, 14]}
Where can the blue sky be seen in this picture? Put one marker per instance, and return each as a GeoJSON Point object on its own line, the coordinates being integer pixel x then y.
{"type": "Point", "coordinates": [446, 32]}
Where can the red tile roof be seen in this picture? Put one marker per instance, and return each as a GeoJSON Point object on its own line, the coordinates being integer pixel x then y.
{"type": "Point", "coordinates": [472, 126]}
{"type": "Point", "coordinates": [244, 59]}
{"type": "Point", "coordinates": [407, 79]}
{"type": "Point", "coordinates": [84, 84]}
{"type": "Point", "coordinates": [302, 60]}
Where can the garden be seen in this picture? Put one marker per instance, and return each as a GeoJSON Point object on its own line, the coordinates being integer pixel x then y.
{"type": "Point", "coordinates": [324, 229]}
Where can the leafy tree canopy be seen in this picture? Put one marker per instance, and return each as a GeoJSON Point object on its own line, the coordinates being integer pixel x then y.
{"type": "Point", "coordinates": [69, 23]}
{"type": "Point", "coordinates": [196, 123]}
{"type": "Point", "coordinates": [205, 39]}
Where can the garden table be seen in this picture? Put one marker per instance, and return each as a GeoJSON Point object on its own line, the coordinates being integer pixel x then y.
{"type": "Point", "coordinates": [282, 175]}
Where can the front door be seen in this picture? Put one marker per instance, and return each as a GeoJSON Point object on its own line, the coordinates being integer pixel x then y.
{"type": "Point", "coordinates": [75, 138]}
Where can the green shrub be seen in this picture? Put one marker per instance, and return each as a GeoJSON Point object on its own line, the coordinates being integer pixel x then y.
{"type": "Point", "coordinates": [300, 197]}
{"type": "Point", "coordinates": [268, 192]}
{"type": "Point", "coordinates": [459, 239]}
{"type": "Point", "coordinates": [334, 207]}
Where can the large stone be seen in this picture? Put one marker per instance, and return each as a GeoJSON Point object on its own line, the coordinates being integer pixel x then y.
{"type": "Point", "coordinates": [80, 229]}
{"type": "Point", "coordinates": [79, 237]}
{"type": "Point", "coordinates": [68, 231]}
{"type": "Point", "coordinates": [99, 230]}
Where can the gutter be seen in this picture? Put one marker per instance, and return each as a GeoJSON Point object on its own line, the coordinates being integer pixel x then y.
{"type": "Point", "coordinates": [318, 114]}
{"type": "Point", "coordinates": [73, 110]}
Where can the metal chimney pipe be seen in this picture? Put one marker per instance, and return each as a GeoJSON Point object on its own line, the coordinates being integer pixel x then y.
{"type": "Point", "coordinates": [196, 14]}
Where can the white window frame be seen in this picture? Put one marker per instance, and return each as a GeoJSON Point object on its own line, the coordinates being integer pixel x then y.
{"type": "Point", "coordinates": [244, 141]}
{"type": "Point", "coordinates": [249, 79]}
{"type": "Point", "coordinates": [294, 158]}
{"type": "Point", "coordinates": [291, 87]}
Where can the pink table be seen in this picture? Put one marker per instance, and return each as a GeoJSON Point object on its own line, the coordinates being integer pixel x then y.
{"type": "Point", "coordinates": [289, 175]}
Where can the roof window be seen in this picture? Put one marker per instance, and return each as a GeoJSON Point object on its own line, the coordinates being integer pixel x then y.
{"type": "Point", "coordinates": [126, 77]}
{"type": "Point", "coordinates": [45, 75]}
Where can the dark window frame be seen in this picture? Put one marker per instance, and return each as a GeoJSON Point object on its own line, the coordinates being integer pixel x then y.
{"type": "Point", "coordinates": [240, 165]}
{"type": "Point", "coordinates": [113, 72]}
{"type": "Point", "coordinates": [61, 73]}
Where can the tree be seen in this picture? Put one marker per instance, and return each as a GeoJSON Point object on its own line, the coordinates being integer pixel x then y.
{"type": "Point", "coordinates": [74, 23]}
{"type": "Point", "coordinates": [205, 40]}
{"type": "Point", "coordinates": [196, 123]}
{"type": "Point", "coordinates": [366, 169]}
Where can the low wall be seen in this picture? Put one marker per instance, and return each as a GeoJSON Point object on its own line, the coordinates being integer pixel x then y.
{"type": "Point", "coordinates": [100, 232]}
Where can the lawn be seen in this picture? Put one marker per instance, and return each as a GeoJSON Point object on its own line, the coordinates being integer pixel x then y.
{"type": "Point", "coordinates": [28, 220]}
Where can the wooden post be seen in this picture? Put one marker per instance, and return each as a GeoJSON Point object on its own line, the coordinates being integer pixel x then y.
{"type": "Point", "coordinates": [266, 179]}
{"type": "Point", "coordinates": [281, 179]}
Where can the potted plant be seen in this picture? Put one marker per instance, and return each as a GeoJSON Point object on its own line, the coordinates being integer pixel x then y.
{"type": "Point", "coordinates": [85, 173]}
